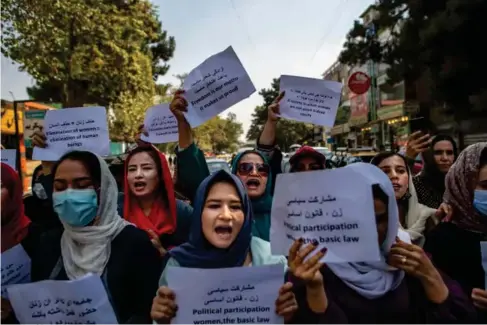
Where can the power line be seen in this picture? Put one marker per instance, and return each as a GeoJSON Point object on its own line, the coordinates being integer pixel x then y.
{"type": "Point", "coordinates": [329, 29]}
{"type": "Point", "coordinates": [243, 24]}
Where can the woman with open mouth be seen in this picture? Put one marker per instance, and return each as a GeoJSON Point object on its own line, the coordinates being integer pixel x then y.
{"type": "Point", "coordinates": [413, 216]}
{"type": "Point", "coordinates": [150, 201]}
{"type": "Point", "coordinates": [251, 167]}
{"type": "Point", "coordinates": [221, 237]}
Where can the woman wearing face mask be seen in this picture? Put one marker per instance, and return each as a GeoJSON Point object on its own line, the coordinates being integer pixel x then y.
{"type": "Point", "coordinates": [150, 201]}
{"type": "Point", "coordinates": [455, 245]}
{"type": "Point", "coordinates": [97, 240]}
{"type": "Point", "coordinates": [38, 206]}
{"type": "Point", "coordinates": [430, 182]}
{"type": "Point", "coordinates": [403, 287]}
{"type": "Point", "coordinates": [413, 216]}
{"type": "Point", "coordinates": [221, 238]}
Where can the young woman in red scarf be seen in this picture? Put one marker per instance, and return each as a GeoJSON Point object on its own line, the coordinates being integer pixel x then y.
{"type": "Point", "coordinates": [16, 227]}
{"type": "Point", "coordinates": [150, 201]}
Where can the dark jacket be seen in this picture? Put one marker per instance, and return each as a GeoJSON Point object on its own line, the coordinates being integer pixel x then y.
{"type": "Point", "coordinates": [132, 272]}
{"type": "Point", "coordinates": [457, 252]}
{"type": "Point", "coordinates": [407, 304]}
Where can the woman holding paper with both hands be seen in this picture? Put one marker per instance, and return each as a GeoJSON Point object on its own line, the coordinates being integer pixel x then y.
{"type": "Point", "coordinates": [403, 287]}
{"type": "Point", "coordinates": [221, 238]}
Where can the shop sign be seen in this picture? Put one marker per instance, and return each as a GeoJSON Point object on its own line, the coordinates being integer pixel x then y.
{"type": "Point", "coordinates": [8, 121]}
{"type": "Point", "coordinates": [388, 112]}
{"type": "Point", "coordinates": [337, 129]}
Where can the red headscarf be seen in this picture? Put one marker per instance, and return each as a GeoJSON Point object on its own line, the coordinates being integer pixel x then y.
{"type": "Point", "coordinates": [17, 225]}
{"type": "Point", "coordinates": [162, 218]}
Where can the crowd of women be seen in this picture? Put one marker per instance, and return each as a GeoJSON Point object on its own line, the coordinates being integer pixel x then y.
{"type": "Point", "coordinates": [430, 228]}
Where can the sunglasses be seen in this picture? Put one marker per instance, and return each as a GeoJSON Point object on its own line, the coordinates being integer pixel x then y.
{"type": "Point", "coordinates": [246, 168]}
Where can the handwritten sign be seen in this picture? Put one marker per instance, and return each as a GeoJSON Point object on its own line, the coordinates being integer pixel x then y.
{"type": "Point", "coordinates": [9, 157]}
{"type": "Point", "coordinates": [215, 85]}
{"type": "Point", "coordinates": [310, 100]}
{"type": "Point", "coordinates": [483, 249]}
{"type": "Point", "coordinates": [161, 125]}
{"type": "Point", "coordinates": [80, 128]}
{"type": "Point", "coordinates": [334, 207]}
{"type": "Point", "coordinates": [227, 296]}
{"type": "Point", "coordinates": [15, 268]}
{"type": "Point", "coordinates": [33, 121]}
{"type": "Point", "coordinates": [81, 301]}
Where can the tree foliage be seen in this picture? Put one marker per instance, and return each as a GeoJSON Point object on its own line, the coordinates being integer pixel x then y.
{"type": "Point", "coordinates": [434, 45]}
{"type": "Point", "coordinates": [219, 134]}
{"type": "Point", "coordinates": [86, 51]}
{"type": "Point", "coordinates": [343, 115]}
{"type": "Point", "coordinates": [288, 132]}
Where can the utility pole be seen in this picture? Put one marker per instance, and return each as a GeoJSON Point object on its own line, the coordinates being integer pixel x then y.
{"type": "Point", "coordinates": [374, 97]}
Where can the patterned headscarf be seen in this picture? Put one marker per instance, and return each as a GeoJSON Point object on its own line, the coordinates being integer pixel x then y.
{"type": "Point", "coordinates": [460, 184]}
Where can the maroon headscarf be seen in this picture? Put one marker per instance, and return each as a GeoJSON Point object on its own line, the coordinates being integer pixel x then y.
{"type": "Point", "coordinates": [460, 185]}
{"type": "Point", "coordinates": [16, 227]}
{"type": "Point", "coordinates": [307, 151]}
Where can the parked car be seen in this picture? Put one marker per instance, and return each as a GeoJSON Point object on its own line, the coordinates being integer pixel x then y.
{"type": "Point", "coordinates": [216, 164]}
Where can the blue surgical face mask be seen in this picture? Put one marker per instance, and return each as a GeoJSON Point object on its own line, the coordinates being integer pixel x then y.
{"type": "Point", "coordinates": [480, 201]}
{"type": "Point", "coordinates": [77, 208]}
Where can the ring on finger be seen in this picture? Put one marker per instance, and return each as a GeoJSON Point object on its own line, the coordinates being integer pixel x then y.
{"type": "Point", "coordinates": [404, 259]}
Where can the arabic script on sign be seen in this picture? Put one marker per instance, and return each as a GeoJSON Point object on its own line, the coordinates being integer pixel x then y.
{"type": "Point", "coordinates": [227, 296]}
{"type": "Point", "coordinates": [161, 125]}
{"type": "Point", "coordinates": [81, 301]}
{"type": "Point", "coordinates": [15, 268]}
{"type": "Point", "coordinates": [79, 128]}
{"type": "Point", "coordinates": [333, 207]}
{"type": "Point", "coordinates": [215, 85]}
{"type": "Point", "coordinates": [310, 100]}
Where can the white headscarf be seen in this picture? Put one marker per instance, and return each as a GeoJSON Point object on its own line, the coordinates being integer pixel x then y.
{"type": "Point", "coordinates": [374, 279]}
{"type": "Point", "coordinates": [417, 215]}
{"type": "Point", "coordinates": [87, 249]}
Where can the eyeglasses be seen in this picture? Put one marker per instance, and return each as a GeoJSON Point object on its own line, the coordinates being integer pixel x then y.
{"type": "Point", "coordinates": [246, 168]}
{"type": "Point", "coordinates": [304, 168]}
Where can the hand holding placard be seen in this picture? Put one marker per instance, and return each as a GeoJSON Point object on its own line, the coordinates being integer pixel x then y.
{"type": "Point", "coordinates": [340, 217]}
{"type": "Point", "coordinates": [160, 125]}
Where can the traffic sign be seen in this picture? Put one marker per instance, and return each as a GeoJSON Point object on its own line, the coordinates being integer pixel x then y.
{"type": "Point", "coordinates": [359, 82]}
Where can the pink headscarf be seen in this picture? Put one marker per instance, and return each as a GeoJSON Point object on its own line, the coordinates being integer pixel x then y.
{"type": "Point", "coordinates": [460, 185]}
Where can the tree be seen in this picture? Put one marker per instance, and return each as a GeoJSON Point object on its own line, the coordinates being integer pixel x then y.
{"type": "Point", "coordinates": [431, 48]}
{"type": "Point", "coordinates": [343, 115]}
{"type": "Point", "coordinates": [219, 134]}
{"type": "Point", "coordinates": [288, 132]}
{"type": "Point", "coordinates": [127, 113]}
{"type": "Point", "coordinates": [86, 51]}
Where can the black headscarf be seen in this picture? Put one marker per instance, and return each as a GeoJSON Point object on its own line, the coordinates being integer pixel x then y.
{"type": "Point", "coordinates": [430, 172]}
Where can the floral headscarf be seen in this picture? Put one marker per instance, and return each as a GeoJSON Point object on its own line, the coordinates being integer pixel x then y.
{"type": "Point", "coordinates": [460, 184]}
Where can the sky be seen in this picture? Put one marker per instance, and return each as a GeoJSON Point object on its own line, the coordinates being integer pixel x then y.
{"type": "Point", "coordinates": [271, 37]}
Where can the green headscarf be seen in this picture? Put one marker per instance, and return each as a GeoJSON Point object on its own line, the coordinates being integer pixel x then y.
{"type": "Point", "coordinates": [262, 205]}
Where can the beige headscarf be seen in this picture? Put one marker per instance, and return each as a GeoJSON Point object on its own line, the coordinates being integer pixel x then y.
{"type": "Point", "coordinates": [417, 216]}
{"type": "Point", "coordinates": [460, 184]}
{"type": "Point", "coordinates": [87, 249]}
